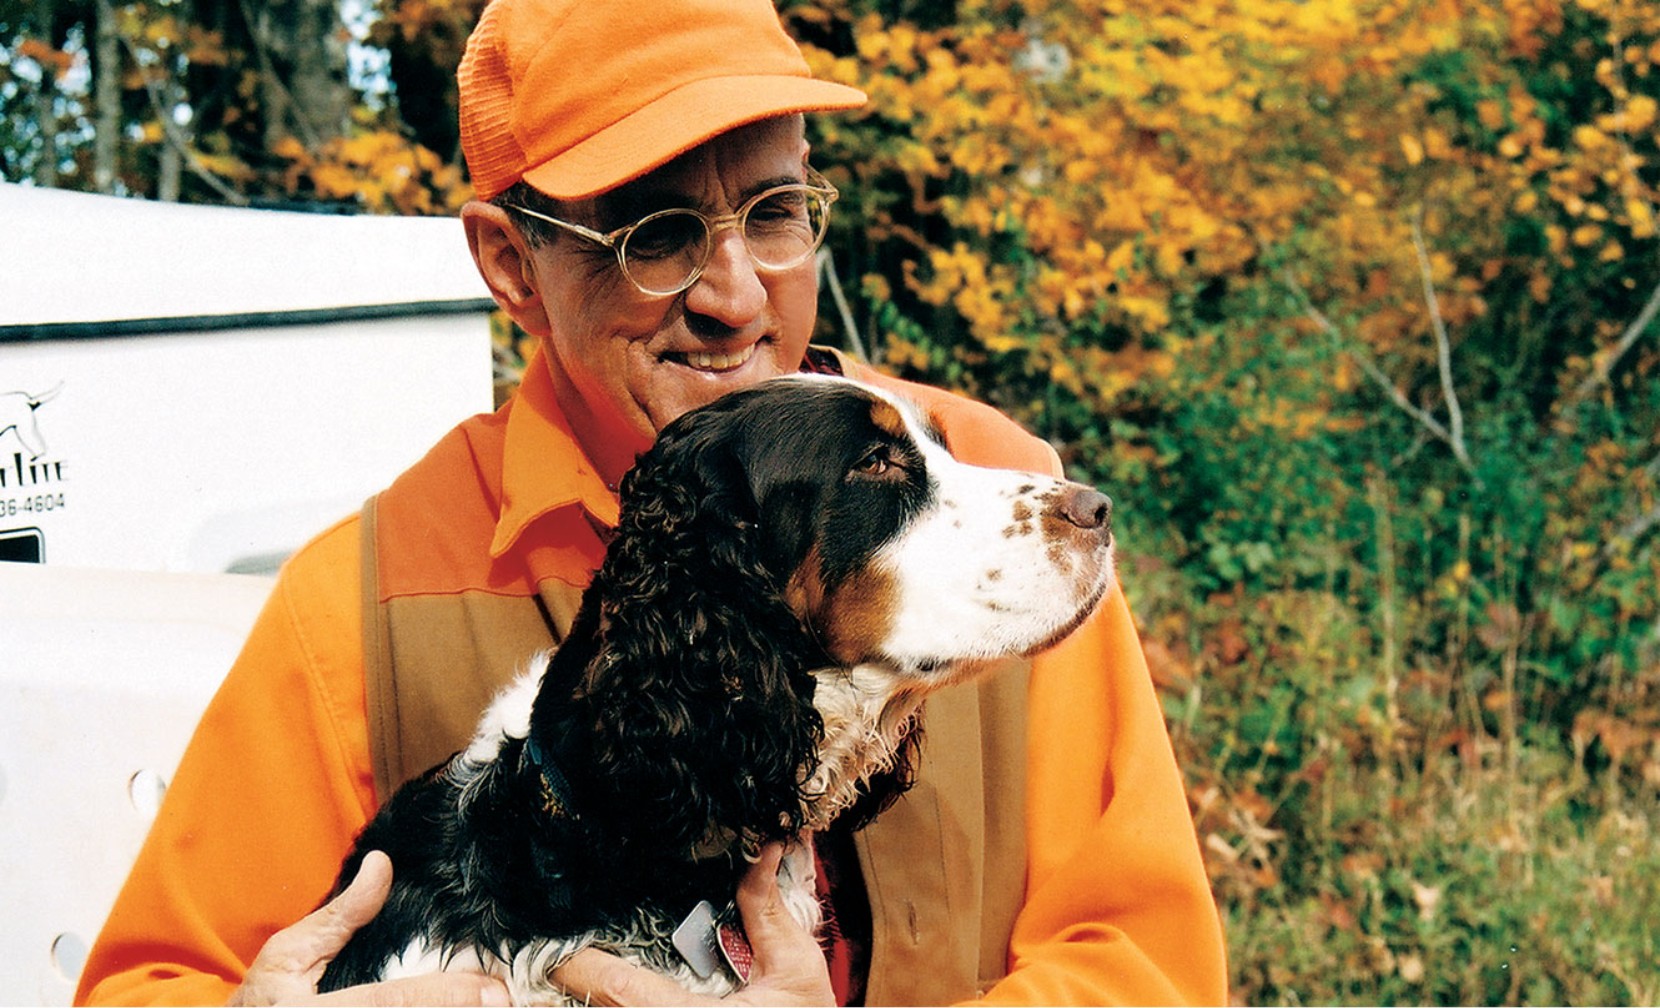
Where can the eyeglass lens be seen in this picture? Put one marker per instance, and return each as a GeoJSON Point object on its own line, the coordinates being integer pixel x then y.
{"type": "Point", "coordinates": [781, 229]}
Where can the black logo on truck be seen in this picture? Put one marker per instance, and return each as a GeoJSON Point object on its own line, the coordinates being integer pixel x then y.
{"type": "Point", "coordinates": [19, 415]}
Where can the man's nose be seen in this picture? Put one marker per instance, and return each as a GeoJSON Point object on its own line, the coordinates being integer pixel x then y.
{"type": "Point", "coordinates": [730, 289]}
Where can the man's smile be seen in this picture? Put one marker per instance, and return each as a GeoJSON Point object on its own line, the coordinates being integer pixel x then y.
{"type": "Point", "coordinates": [712, 361]}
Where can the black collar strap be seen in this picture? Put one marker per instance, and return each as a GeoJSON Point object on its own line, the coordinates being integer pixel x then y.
{"type": "Point", "coordinates": [557, 797]}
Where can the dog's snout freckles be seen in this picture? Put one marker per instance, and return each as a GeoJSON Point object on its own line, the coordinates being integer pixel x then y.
{"type": "Point", "coordinates": [1064, 511]}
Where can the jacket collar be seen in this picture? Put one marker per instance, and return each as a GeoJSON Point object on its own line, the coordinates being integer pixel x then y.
{"type": "Point", "coordinates": [544, 469]}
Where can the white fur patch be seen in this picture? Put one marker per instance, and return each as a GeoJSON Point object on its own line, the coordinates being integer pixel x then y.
{"type": "Point", "coordinates": [508, 715]}
{"type": "Point", "coordinates": [866, 711]}
{"type": "Point", "coordinates": [989, 569]}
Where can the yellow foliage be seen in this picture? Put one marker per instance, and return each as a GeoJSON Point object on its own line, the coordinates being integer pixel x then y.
{"type": "Point", "coordinates": [1085, 165]}
{"type": "Point", "coordinates": [377, 169]}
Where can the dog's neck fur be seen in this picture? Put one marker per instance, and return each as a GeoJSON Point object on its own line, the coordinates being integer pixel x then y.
{"type": "Point", "coordinates": [867, 717]}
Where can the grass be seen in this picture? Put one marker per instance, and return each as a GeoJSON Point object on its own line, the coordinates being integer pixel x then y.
{"type": "Point", "coordinates": [1375, 839]}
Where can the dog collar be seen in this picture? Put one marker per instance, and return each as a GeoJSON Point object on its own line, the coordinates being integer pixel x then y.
{"type": "Point", "coordinates": [557, 798]}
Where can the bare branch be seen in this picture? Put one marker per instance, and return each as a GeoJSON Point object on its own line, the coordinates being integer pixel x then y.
{"type": "Point", "coordinates": [829, 269]}
{"type": "Point", "coordinates": [1443, 347]}
{"type": "Point", "coordinates": [1632, 333]}
{"type": "Point", "coordinates": [177, 140]}
{"type": "Point", "coordinates": [1635, 528]}
{"type": "Point", "coordinates": [1640, 525]}
{"type": "Point", "coordinates": [1631, 531]}
{"type": "Point", "coordinates": [1425, 420]}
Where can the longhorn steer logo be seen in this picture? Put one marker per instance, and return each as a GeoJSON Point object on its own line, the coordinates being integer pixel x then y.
{"type": "Point", "coordinates": [18, 415]}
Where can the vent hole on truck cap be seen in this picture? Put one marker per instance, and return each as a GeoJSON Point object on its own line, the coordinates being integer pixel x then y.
{"type": "Point", "coordinates": [69, 955]}
{"type": "Point", "coordinates": [145, 789]}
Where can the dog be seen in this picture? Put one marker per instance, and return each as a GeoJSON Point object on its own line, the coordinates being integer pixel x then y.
{"type": "Point", "coordinates": [797, 565]}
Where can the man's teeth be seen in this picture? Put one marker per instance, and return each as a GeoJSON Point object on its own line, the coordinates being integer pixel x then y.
{"type": "Point", "coordinates": [704, 361]}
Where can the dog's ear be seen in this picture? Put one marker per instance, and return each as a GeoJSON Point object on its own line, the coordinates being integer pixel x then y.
{"type": "Point", "coordinates": [699, 696]}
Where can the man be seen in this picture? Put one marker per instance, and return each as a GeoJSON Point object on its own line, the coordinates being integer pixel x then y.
{"type": "Point", "coordinates": [1046, 854]}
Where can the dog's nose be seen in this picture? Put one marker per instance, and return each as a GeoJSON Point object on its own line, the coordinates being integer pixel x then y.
{"type": "Point", "coordinates": [1086, 507]}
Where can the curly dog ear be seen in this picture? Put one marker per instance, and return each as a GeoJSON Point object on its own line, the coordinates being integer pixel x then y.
{"type": "Point", "coordinates": [699, 691]}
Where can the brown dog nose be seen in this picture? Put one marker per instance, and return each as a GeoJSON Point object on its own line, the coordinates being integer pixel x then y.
{"type": "Point", "coordinates": [1086, 507]}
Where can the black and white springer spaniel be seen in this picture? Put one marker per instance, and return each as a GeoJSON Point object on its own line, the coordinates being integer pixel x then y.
{"type": "Point", "coordinates": [797, 565]}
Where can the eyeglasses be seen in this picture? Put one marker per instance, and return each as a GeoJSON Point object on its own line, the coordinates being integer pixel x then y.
{"type": "Point", "coordinates": [664, 253]}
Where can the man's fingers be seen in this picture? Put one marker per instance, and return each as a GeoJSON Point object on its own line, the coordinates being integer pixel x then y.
{"type": "Point", "coordinates": [301, 951]}
{"type": "Point", "coordinates": [358, 903]}
{"type": "Point", "coordinates": [436, 989]}
{"type": "Point", "coordinates": [287, 969]}
{"type": "Point", "coordinates": [790, 968]}
{"type": "Point", "coordinates": [600, 978]}
{"type": "Point", "coordinates": [321, 934]}
{"type": "Point", "coordinates": [761, 905]}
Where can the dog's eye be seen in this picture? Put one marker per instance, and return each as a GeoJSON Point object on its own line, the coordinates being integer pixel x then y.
{"type": "Point", "coordinates": [877, 462]}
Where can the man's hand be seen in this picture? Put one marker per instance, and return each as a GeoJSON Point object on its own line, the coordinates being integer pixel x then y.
{"type": "Point", "coordinates": [288, 967]}
{"type": "Point", "coordinates": [789, 965]}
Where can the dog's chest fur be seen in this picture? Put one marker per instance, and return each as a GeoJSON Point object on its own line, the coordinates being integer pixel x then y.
{"type": "Point", "coordinates": [866, 720]}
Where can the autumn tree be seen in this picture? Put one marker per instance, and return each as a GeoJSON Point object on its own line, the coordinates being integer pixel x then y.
{"type": "Point", "coordinates": [214, 101]}
{"type": "Point", "coordinates": [1351, 305]}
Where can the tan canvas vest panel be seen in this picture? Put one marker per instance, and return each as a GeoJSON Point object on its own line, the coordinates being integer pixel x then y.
{"type": "Point", "coordinates": [944, 869]}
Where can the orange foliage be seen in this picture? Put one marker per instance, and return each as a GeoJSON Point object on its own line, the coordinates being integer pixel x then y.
{"type": "Point", "coordinates": [378, 170]}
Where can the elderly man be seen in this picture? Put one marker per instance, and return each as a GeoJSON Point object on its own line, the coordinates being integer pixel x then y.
{"type": "Point", "coordinates": [626, 159]}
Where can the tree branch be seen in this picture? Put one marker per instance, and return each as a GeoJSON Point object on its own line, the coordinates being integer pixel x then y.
{"type": "Point", "coordinates": [1605, 367]}
{"type": "Point", "coordinates": [1632, 333]}
{"type": "Point", "coordinates": [258, 35]}
{"type": "Point", "coordinates": [1443, 347]}
{"type": "Point", "coordinates": [170, 130]}
{"type": "Point", "coordinates": [1634, 529]}
{"type": "Point", "coordinates": [1424, 419]}
{"type": "Point", "coordinates": [828, 268]}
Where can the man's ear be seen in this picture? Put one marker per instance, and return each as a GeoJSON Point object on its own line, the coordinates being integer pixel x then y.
{"type": "Point", "coordinates": [503, 257]}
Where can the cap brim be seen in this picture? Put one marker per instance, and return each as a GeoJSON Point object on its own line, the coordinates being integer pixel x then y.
{"type": "Point", "coordinates": [677, 122]}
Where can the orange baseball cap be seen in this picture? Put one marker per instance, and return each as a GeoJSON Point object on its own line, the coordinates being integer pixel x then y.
{"type": "Point", "coordinates": [579, 96]}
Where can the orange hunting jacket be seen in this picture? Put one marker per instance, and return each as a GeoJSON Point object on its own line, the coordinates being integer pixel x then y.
{"type": "Point", "coordinates": [279, 778]}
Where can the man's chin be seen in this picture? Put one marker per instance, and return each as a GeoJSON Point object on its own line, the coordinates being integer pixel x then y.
{"type": "Point", "coordinates": [698, 386]}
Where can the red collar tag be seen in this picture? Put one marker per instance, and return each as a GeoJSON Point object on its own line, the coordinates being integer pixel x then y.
{"type": "Point", "coordinates": [734, 948]}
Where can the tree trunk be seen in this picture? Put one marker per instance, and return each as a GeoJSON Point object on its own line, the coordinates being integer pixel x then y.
{"type": "Point", "coordinates": [304, 83]}
{"type": "Point", "coordinates": [46, 104]}
{"type": "Point", "coordinates": [170, 169]}
{"type": "Point", "coordinates": [106, 67]}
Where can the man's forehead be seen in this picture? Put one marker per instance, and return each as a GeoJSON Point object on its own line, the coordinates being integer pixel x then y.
{"type": "Point", "coordinates": [726, 169]}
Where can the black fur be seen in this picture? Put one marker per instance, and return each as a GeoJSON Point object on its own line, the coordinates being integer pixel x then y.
{"type": "Point", "coordinates": [679, 711]}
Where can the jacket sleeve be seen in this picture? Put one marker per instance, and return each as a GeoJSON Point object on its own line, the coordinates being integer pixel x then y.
{"type": "Point", "coordinates": [1118, 907]}
{"type": "Point", "coordinates": [270, 792]}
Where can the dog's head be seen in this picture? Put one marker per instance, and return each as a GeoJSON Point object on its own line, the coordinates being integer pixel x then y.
{"type": "Point", "coordinates": [807, 522]}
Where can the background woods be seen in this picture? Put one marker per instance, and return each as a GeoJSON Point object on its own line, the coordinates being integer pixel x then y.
{"type": "Point", "coordinates": [1351, 305]}
{"type": "Point", "coordinates": [236, 101]}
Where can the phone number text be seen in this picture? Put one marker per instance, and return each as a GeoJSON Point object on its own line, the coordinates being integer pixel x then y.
{"type": "Point", "coordinates": [37, 504]}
